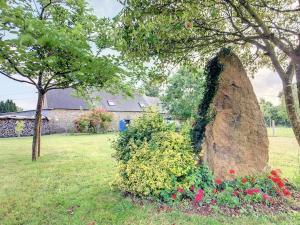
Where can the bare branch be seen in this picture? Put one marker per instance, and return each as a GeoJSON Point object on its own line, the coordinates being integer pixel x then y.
{"type": "Point", "coordinates": [44, 8]}
{"type": "Point", "coordinates": [272, 37]}
{"type": "Point", "coordinates": [19, 71]}
{"type": "Point", "coordinates": [15, 79]}
{"type": "Point", "coordinates": [265, 5]}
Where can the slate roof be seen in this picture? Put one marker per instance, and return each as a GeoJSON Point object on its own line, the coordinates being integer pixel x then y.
{"type": "Point", "coordinates": [65, 99]}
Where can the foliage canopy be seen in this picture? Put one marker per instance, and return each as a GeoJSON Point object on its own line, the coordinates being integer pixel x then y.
{"type": "Point", "coordinates": [183, 93]}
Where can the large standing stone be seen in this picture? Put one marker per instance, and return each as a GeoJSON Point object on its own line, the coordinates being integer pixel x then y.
{"type": "Point", "coordinates": [236, 138]}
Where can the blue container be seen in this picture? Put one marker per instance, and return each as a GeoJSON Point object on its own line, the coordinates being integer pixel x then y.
{"type": "Point", "coordinates": [122, 125]}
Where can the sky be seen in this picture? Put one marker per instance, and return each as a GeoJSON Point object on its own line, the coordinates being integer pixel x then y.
{"type": "Point", "coordinates": [266, 83]}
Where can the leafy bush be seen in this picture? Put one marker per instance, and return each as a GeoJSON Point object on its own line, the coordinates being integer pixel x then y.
{"type": "Point", "coordinates": [153, 159]}
{"type": "Point", "coordinates": [20, 124]}
{"type": "Point", "coordinates": [158, 166]}
{"type": "Point", "coordinates": [94, 121]}
{"type": "Point", "coordinates": [140, 130]}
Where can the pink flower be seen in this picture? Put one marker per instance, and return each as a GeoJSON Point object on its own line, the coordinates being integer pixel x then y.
{"type": "Point", "coordinates": [199, 196]}
{"type": "Point", "coordinates": [265, 197]}
{"type": "Point", "coordinates": [192, 188]}
{"type": "Point", "coordinates": [180, 190]}
{"type": "Point", "coordinates": [252, 191]}
{"type": "Point", "coordinates": [213, 201]}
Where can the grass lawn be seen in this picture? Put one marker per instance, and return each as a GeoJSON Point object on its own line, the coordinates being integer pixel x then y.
{"type": "Point", "coordinates": [70, 184]}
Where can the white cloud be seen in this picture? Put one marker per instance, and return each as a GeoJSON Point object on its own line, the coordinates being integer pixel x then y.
{"type": "Point", "coordinates": [106, 8]}
{"type": "Point", "coordinates": [267, 85]}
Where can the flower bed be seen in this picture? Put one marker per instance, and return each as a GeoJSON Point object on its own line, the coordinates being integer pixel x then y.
{"type": "Point", "coordinates": [156, 163]}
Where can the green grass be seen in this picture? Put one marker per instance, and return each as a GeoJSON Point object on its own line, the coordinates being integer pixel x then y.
{"type": "Point", "coordinates": [281, 132]}
{"type": "Point", "coordinates": [70, 184]}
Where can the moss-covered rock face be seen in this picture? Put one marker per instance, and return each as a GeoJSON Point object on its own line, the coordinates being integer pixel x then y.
{"type": "Point", "coordinates": [213, 70]}
{"type": "Point", "coordinates": [230, 128]}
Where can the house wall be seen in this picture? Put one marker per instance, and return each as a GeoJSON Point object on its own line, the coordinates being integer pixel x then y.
{"type": "Point", "coordinates": [7, 127]}
{"type": "Point", "coordinates": [62, 120]}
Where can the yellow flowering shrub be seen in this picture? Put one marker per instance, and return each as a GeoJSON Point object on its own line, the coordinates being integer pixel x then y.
{"type": "Point", "coordinates": [140, 130]}
{"type": "Point", "coordinates": [162, 164]}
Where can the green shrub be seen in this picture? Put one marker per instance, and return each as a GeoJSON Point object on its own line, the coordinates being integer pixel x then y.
{"type": "Point", "coordinates": [153, 160]}
{"type": "Point", "coordinates": [94, 121]}
{"type": "Point", "coordinates": [159, 166]}
{"type": "Point", "coordinates": [20, 124]}
{"type": "Point", "coordinates": [140, 130]}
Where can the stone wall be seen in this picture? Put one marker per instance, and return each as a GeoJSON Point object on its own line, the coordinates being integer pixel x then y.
{"type": "Point", "coordinates": [7, 127]}
{"type": "Point", "coordinates": [62, 120]}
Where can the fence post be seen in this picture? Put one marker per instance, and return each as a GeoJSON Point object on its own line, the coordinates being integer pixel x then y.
{"type": "Point", "coordinates": [273, 127]}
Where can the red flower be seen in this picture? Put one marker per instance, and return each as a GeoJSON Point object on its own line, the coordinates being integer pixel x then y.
{"type": "Point", "coordinates": [174, 196]}
{"type": "Point", "coordinates": [265, 197]}
{"type": "Point", "coordinates": [231, 171]}
{"type": "Point", "coordinates": [252, 191]}
{"type": "Point", "coordinates": [276, 179]}
{"type": "Point", "coordinates": [199, 196]}
{"type": "Point", "coordinates": [244, 180]}
{"type": "Point", "coordinates": [192, 188]}
{"type": "Point", "coordinates": [218, 181]}
{"type": "Point", "coordinates": [215, 191]}
{"type": "Point", "coordinates": [235, 193]}
{"type": "Point", "coordinates": [280, 184]}
{"type": "Point", "coordinates": [180, 190]}
{"type": "Point", "coordinates": [286, 192]}
{"type": "Point", "coordinates": [275, 172]}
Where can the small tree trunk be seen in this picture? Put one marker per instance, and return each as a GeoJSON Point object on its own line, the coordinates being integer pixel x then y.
{"type": "Point", "coordinates": [40, 130]}
{"type": "Point", "coordinates": [291, 109]}
{"type": "Point", "coordinates": [39, 137]}
{"type": "Point", "coordinates": [37, 126]}
{"type": "Point", "coordinates": [297, 71]}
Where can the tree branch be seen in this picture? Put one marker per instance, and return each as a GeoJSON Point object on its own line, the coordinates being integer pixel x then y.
{"type": "Point", "coordinates": [19, 71]}
{"type": "Point", "coordinates": [15, 79]}
{"type": "Point", "coordinates": [272, 37]}
{"type": "Point", "coordinates": [44, 8]}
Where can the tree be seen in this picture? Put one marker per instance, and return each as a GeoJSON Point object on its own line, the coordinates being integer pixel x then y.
{"type": "Point", "coordinates": [264, 32]}
{"type": "Point", "coordinates": [54, 45]}
{"type": "Point", "coordinates": [276, 113]}
{"type": "Point", "coordinates": [8, 106]}
{"type": "Point", "coordinates": [184, 93]}
{"type": "Point", "coordinates": [151, 89]}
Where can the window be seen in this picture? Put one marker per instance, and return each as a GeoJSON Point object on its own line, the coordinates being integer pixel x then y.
{"type": "Point", "coordinates": [111, 103]}
{"type": "Point", "coordinates": [142, 105]}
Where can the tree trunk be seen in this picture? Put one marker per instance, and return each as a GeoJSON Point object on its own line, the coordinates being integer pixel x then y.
{"type": "Point", "coordinates": [297, 70]}
{"type": "Point", "coordinates": [37, 126]}
{"type": "Point", "coordinates": [39, 137]}
{"type": "Point", "coordinates": [40, 131]}
{"type": "Point", "coordinates": [291, 108]}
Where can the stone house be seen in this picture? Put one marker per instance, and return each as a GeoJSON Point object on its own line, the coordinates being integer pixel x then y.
{"type": "Point", "coordinates": [62, 107]}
